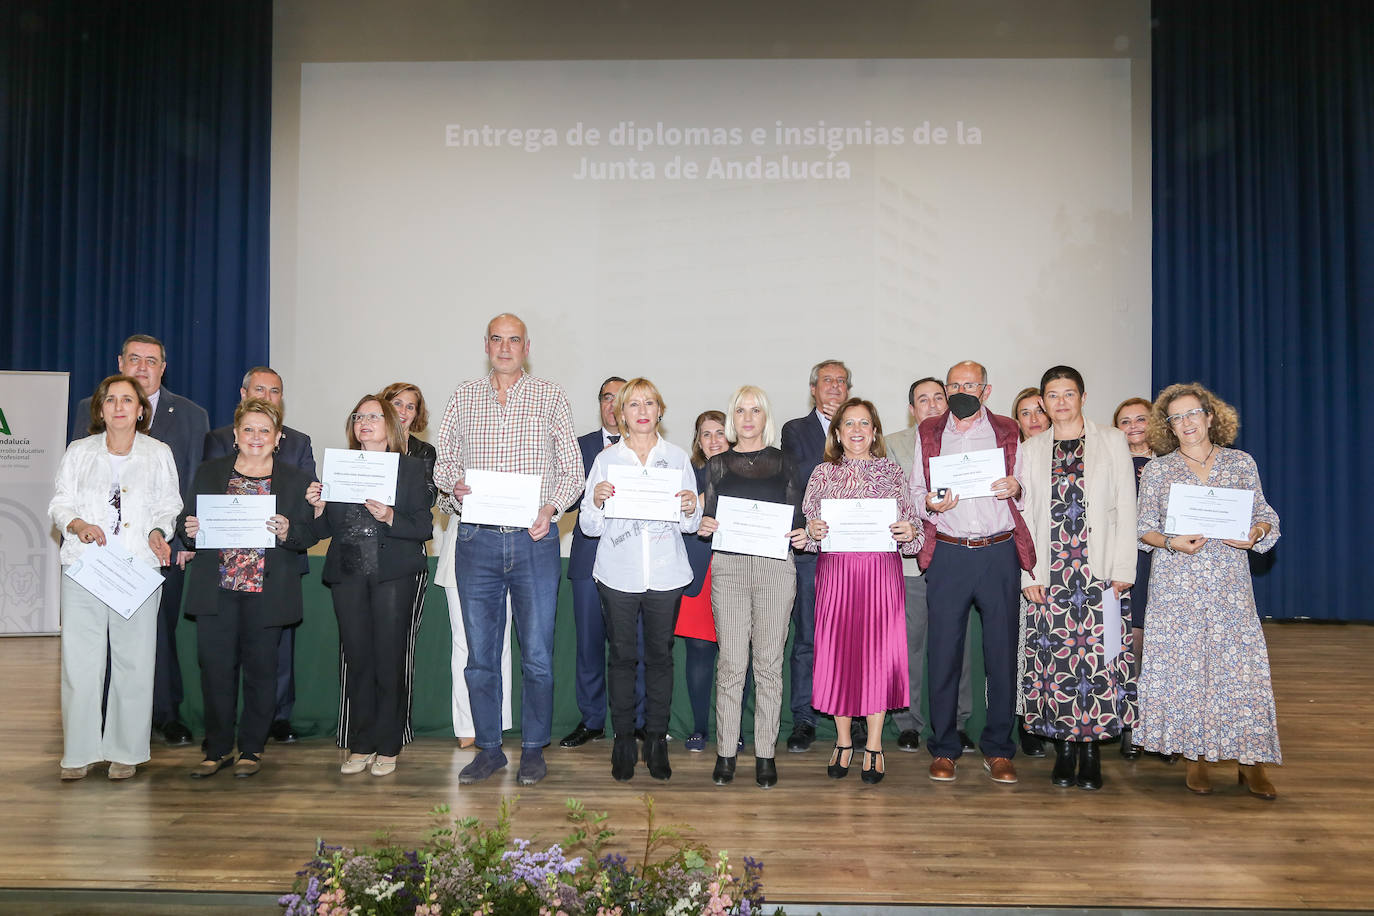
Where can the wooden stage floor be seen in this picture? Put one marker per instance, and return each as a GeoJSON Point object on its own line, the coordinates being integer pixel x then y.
{"type": "Point", "coordinates": [1143, 841]}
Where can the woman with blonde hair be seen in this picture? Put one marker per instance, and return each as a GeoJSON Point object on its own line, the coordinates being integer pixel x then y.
{"type": "Point", "coordinates": [751, 596]}
{"type": "Point", "coordinates": [640, 570]}
{"type": "Point", "coordinates": [1205, 690]}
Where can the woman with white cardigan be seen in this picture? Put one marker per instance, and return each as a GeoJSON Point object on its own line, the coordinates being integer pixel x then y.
{"type": "Point", "coordinates": [119, 487]}
{"type": "Point", "coordinates": [1079, 678]}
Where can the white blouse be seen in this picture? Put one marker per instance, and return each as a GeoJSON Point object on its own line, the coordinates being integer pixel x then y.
{"type": "Point", "coordinates": [636, 555]}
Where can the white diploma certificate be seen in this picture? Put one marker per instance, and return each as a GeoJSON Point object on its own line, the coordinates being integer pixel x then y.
{"type": "Point", "coordinates": [858, 525]}
{"type": "Point", "coordinates": [114, 577]}
{"type": "Point", "coordinates": [234, 521]}
{"type": "Point", "coordinates": [969, 475]}
{"type": "Point", "coordinates": [1213, 512]}
{"type": "Point", "coordinates": [501, 498]}
{"type": "Point", "coordinates": [644, 493]}
{"type": "Point", "coordinates": [355, 476]}
{"type": "Point", "coordinates": [753, 527]}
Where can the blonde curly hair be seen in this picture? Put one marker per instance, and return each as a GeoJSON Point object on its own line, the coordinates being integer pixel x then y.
{"type": "Point", "coordinates": [1225, 420]}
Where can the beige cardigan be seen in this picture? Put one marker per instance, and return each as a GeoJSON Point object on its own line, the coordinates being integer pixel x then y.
{"type": "Point", "coordinates": [1109, 492]}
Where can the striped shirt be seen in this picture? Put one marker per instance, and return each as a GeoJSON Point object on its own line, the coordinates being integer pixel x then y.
{"type": "Point", "coordinates": [532, 433]}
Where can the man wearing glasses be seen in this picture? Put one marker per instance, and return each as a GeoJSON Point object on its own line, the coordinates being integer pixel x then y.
{"type": "Point", "coordinates": [294, 449]}
{"type": "Point", "coordinates": [509, 421]}
{"type": "Point", "coordinates": [591, 630]}
{"type": "Point", "coordinates": [973, 552]}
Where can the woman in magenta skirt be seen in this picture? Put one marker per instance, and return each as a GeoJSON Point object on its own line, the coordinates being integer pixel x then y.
{"type": "Point", "coordinates": [860, 661]}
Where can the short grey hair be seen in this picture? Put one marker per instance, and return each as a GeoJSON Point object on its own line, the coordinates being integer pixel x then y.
{"type": "Point", "coordinates": [262, 370]}
{"type": "Point", "coordinates": [968, 362]}
{"type": "Point", "coordinates": [816, 371]}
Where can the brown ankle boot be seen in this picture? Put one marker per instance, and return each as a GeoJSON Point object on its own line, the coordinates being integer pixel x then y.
{"type": "Point", "coordinates": [1253, 777]}
{"type": "Point", "coordinates": [1197, 780]}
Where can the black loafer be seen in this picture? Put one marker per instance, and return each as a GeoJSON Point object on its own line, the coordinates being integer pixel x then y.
{"type": "Point", "coordinates": [724, 772]}
{"type": "Point", "coordinates": [1032, 745]}
{"type": "Point", "coordinates": [282, 732]}
{"type": "Point", "coordinates": [765, 772]}
{"type": "Point", "coordinates": [909, 741]}
{"type": "Point", "coordinates": [799, 742]}
{"type": "Point", "coordinates": [581, 735]}
{"type": "Point", "coordinates": [175, 734]}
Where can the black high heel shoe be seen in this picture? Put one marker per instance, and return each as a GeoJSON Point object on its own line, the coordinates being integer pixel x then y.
{"type": "Point", "coordinates": [1064, 762]}
{"type": "Point", "coordinates": [1032, 745]}
{"type": "Point", "coordinates": [724, 771]}
{"type": "Point", "coordinates": [872, 775]}
{"type": "Point", "coordinates": [1129, 749]}
{"type": "Point", "coordinates": [834, 770]}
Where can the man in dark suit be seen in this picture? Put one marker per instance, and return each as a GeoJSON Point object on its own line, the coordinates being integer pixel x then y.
{"type": "Point", "coordinates": [591, 632]}
{"type": "Point", "coordinates": [294, 448]}
{"type": "Point", "coordinates": [182, 425]}
{"type": "Point", "coordinates": [804, 440]}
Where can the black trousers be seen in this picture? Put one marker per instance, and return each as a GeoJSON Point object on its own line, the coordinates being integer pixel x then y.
{"type": "Point", "coordinates": [990, 578]}
{"type": "Point", "coordinates": [623, 612]}
{"type": "Point", "coordinates": [167, 689]}
{"type": "Point", "coordinates": [227, 642]}
{"type": "Point", "coordinates": [374, 626]}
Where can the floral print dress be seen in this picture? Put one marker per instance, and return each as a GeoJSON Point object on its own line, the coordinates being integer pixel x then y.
{"type": "Point", "coordinates": [1072, 690]}
{"type": "Point", "coordinates": [1205, 690]}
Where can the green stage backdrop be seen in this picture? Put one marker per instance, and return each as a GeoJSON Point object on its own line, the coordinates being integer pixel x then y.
{"type": "Point", "coordinates": [317, 673]}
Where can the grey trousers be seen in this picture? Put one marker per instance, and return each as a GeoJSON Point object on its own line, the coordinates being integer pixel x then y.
{"type": "Point", "coordinates": [751, 598]}
{"type": "Point", "coordinates": [917, 618]}
{"type": "Point", "coordinates": [87, 623]}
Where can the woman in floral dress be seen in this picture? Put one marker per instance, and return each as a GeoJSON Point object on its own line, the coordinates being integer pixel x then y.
{"type": "Point", "coordinates": [1204, 685]}
{"type": "Point", "coordinates": [1079, 677]}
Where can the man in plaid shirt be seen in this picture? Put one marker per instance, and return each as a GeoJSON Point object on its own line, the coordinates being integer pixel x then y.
{"type": "Point", "coordinates": [509, 421]}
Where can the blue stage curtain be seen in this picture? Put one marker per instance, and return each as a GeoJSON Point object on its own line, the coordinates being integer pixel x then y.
{"type": "Point", "coordinates": [134, 181]}
{"type": "Point", "coordinates": [1264, 264]}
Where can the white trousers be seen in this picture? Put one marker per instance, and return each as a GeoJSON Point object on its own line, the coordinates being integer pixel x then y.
{"type": "Point", "coordinates": [87, 622]}
{"type": "Point", "coordinates": [462, 708]}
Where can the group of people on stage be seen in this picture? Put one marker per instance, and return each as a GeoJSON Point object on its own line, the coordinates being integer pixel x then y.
{"type": "Point", "coordinates": [1070, 563]}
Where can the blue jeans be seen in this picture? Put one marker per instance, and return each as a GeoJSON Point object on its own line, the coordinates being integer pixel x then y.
{"type": "Point", "coordinates": [489, 564]}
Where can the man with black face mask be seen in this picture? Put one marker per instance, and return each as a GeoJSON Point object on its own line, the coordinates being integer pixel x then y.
{"type": "Point", "coordinates": [973, 553]}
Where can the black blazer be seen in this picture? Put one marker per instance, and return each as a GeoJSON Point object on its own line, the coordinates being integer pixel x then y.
{"type": "Point", "coordinates": [401, 545]}
{"type": "Point", "coordinates": [804, 440]}
{"type": "Point", "coordinates": [582, 554]}
{"type": "Point", "coordinates": [281, 587]}
{"type": "Point", "coordinates": [294, 449]}
{"type": "Point", "coordinates": [178, 422]}
{"type": "Point", "coordinates": [419, 448]}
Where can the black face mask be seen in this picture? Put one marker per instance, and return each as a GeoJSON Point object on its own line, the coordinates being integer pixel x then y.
{"type": "Point", "coordinates": [963, 405]}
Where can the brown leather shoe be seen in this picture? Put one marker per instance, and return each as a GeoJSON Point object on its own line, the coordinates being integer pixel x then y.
{"type": "Point", "coordinates": [1000, 769]}
{"type": "Point", "coordinates": [942, 769]}
{"type": "Point", "coordinates": [1198, 780]}
{"type": "Point", "coordinates": [1253, 777]}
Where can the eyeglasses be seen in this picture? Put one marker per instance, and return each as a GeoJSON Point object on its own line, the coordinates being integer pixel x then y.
{"type": "Point", "coordinates": [970, 387]}
{"type": "Point", "coordinates": [369, 417]}
{"type": "Point", "coordinates": [1177, 418]}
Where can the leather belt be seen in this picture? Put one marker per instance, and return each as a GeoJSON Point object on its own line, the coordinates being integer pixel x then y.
{"type": "Point", "coordinates": [974, 542]}
{"type": "Point", "coordinates": [504, 529]}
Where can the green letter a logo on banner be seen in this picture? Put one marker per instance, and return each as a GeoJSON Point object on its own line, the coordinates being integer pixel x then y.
{"type": "Point", "coordinates": [4, 426]}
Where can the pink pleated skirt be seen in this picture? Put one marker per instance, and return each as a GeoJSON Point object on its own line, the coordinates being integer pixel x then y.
{"type": "Point", "coordinates": [860, 661]}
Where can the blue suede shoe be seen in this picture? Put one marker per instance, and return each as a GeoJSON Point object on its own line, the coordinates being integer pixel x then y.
{"type": "Point", "coordinates": [696, 744]}
{"type": "Point", "coordinates": [487, 761]}
{"type": "Point", "coordinates": [532, 766]}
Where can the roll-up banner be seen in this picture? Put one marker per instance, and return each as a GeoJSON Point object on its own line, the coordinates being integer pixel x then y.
{"type": "Point", "coordinates": [33, 424]}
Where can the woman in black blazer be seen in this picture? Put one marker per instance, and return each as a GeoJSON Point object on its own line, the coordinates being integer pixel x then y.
{"type": "Point", "coordinates": [375, 569]}
{"type": "Point", "coordinates": [242, 597]}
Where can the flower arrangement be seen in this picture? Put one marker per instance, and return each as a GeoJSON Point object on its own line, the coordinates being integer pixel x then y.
{"type": "Point", "coordinates": [467, 868]}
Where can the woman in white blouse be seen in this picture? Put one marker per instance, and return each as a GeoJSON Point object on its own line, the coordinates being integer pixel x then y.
{"type": "Point", "coordinates": [116, 487]}
{"type": "Point", "coordinates": [641, 570]}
